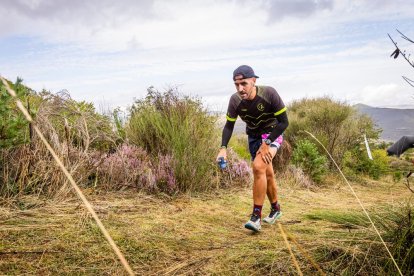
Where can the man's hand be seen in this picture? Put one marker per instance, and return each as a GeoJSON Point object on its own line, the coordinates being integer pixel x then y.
{"type": "Point", "coordinates": [265, 153]}
{"type": "Point", "coordinates": [222, 153]}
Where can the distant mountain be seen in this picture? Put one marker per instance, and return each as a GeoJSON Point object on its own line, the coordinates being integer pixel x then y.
{"type": "Point", "coordinates": [394, 122]}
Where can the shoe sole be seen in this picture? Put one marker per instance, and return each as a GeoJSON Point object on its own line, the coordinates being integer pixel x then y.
{"type": "Point", "coordinates": [274, 220]}
{"type": "Point", "coordinates": [251, 227]}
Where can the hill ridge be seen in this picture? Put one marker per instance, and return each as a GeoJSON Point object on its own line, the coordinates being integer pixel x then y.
{"type": "Point", "coordinates": [394, 122]}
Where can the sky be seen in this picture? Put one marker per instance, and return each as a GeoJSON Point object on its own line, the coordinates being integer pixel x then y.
{"type": "Point", "coordinates": [109, 52]}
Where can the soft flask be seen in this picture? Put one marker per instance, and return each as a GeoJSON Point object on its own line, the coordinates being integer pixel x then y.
{"type": "Point", "coordinates": [222, 163]}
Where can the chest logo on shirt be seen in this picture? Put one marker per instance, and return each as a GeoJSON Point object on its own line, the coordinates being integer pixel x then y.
{"type": "Point", "coordinates": [260, 107]}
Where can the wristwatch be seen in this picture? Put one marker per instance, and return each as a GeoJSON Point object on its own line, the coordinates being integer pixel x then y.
{"type": "Point", "coordinates": [267, 141]}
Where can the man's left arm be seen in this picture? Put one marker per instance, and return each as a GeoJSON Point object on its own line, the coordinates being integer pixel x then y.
{"type": "Point", "coordinates": [264, 149]}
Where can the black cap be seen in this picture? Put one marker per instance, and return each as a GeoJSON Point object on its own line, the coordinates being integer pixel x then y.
{"type": "Point", "coordinates": [245, 70]}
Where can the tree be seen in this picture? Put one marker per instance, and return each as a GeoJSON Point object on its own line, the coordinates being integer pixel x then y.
{"type": "Point", "coordinates": [399, 51]}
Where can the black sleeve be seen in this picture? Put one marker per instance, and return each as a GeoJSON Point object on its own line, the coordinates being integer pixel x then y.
{"type": "Point", "coordinates": [281, 126]}
{"type": "Point", "coordinates": [227, 132]}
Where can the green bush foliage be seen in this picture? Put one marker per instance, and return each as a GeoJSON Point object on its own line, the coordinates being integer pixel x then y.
{"type": "Point", "coordinates": [307, 157]}
{"type": "Point", "coordinates": [170, 124]}
{"type": "Point", "coordinates": [14, 128]}
{"type": "Point", "coordinates": [337, 125]}
{"type": "Point", "coordinates": [357, 161]}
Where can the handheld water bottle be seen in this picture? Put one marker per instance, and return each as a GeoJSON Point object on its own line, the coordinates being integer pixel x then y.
{"type": "Point", "coordinates": [222, 163]}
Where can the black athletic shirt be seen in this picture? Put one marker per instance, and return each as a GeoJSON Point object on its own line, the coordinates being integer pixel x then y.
{"type": "Point", "coordinates": [266, 113]}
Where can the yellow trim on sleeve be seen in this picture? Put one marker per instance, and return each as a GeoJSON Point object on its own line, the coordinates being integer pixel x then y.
{"type": "Point", "coordinates": [280, 111]}
{"type": "Point", "coordinates": [230, 119]}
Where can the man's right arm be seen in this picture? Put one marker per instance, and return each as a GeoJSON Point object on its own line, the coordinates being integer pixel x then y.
{"type": "Point", "coordinates": [225, 138]}
{"type": "Point", "coordinates": [231, 118]}
{"type": "Point", "coordinates": [227, 132]}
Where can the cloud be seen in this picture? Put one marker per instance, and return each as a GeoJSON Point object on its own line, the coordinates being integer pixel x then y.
{"type": "Point", "coordinates": [105, 25]}
{"type": "Point", "coordinates": [118, 48]}
{"type": "Point", "coordinates": [106, 12]}
{"type": "Point", "coordinates": [76, 21]}
{"type": "Point", "coordinates": [386, 95]}
{"type": "Point", "coordinates": [280, 9]}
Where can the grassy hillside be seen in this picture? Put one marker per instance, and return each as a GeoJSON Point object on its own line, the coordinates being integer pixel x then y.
{"type": "Point", "coordinates": [153, 181]}
{"type": "Point", "coordinates": [198, 235]}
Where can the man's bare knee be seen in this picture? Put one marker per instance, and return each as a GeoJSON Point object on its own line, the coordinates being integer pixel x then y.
{"type": "Point", "coordinates": [259, 166]}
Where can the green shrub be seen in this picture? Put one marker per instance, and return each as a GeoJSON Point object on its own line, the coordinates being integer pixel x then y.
{"type": "Point", "coordinates": [14, 128]}
{"type": "Point", "coordinates": [379, 165]}
{"type": "Point", "coordinates": [397, 176]}
{"type": "Point", "coordinates": [307, 157]}
{"type": "Point", "coordinates": [171, 124]}
{"type": "Point", "coordinates": [357, 161]}
{"type": "Point", "coordinates": [337, 125]}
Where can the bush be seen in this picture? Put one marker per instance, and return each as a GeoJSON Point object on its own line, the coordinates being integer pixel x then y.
{"type": "Point", "coordinates": [357, 161]}
{"type": "Point", "coordinates": [170, 124]}
{"type": "Point", "coordinates": [307, 157]}
{"type": "Point", "coordinates": [14, 128]}
{"type": "Point", "coordinates": [379, 165]}
{"type": "Point", "coordinates": [337, 125]}
{"type": "Point", "coordinates": [131, 167]}
{"type": "Point", "coordinates": [73, 129]}
{"type": "Point", "coordinates": [75, 123]}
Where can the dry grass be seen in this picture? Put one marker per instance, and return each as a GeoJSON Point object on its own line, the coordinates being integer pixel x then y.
{"type": "Point", "coordinates": [195, 235]}
{"type": "Point", "coordinates": [71, 129]}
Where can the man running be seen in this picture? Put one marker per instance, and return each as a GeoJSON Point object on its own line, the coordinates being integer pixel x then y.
{"type": "Point", "coordinates": [264, 113]}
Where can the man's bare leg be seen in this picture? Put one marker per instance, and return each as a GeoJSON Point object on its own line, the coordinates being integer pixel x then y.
{"type": "Point", "coordinates": [271, 191]}
{"type": "Point", "coordinates": [271, 182]}
{"type": "Point", "coordinates": [260, 186]}
{"type": "Point", "coordinates": [259, 193]}
{"type": "Point", "coordinates": [260, 180]}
